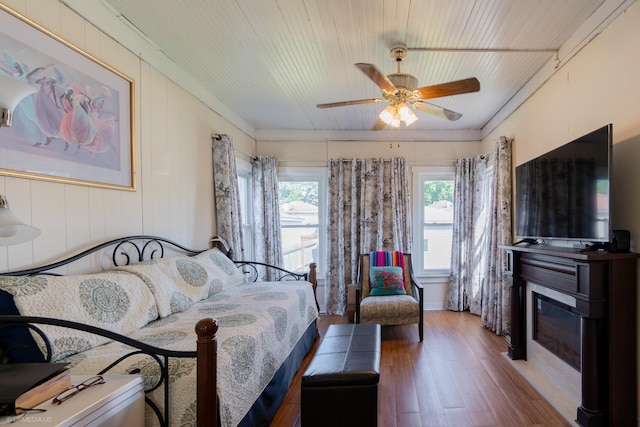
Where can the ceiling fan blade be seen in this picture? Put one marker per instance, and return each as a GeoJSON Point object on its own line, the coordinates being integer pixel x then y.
{"type": "Point", "coordinates": [345, 103]}
{"type": "Point", "coordinates": [378, 78]}
{"type": "Point", "coordinates": [436, 110]}
{"type": "Point", "coordinates": [447, 89]}
{"type": "Point", "coordinates": [379, 125]}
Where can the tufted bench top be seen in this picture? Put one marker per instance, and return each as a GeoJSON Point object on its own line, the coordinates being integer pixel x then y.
{"type": "Point", "coordinates": [348, 354]}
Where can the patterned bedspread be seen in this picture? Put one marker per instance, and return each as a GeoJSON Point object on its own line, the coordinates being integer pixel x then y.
{"type": "Point", "coordinates": [260, 323]}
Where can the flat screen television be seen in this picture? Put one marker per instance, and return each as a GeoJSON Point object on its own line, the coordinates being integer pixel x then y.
{"type": "Point", "coordinates": [564, 194]}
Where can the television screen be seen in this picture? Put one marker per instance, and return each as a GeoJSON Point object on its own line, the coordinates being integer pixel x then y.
{"type": "Point", "coordinates": [564, 194]}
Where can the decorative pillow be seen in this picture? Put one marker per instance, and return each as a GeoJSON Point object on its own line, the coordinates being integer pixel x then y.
{"type": "Point", "coordinates": [386, 281]}
{"type": "Point", "coordinates": [231, 275]}
{"type": "Point", "coordinates": [116, 301]}
{"type": "Point", "coordinates": [25, 349]}
{"type": "Point", "coordinates": [175, 282]}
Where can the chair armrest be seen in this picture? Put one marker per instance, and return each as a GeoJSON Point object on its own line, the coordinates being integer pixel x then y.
{"type": "Point", "coordinates": [417, 289]}
{"type": "Point", "coordinates": [414, 280]}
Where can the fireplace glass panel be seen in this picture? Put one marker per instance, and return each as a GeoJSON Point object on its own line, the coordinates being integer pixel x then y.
{"type": "Point", "coordinates": [557, 328]}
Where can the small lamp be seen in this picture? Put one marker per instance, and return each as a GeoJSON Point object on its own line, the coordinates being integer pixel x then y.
{"type": "Point", "coordinates": [12, 230]}
{"type": "Point", "coordinates": [11, 93]}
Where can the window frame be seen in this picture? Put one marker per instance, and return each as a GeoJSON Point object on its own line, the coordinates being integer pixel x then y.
{"type": "Point", "coordinates": [319, 175]}
{"type": "Point", "coordinates": [420, 175]}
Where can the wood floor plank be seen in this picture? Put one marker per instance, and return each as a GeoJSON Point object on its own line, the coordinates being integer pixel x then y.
{"type": "Point", "coordinates": [410, 419]}
{"type": "Point", "coordinates": [386, 397]}
{"type": "Point", "coordinates": [457, 377]}
{"type": "Point", "coordinates": [288, 415]}
{"type": "Point", "coordinates": [404, 376]}
{"type": "Point", "coordinates": [447, 388]}
{"type": "Point", "coordinates": [519, 392]}
{"type": "Point", "coordinates": [497, 402]}
{"type": "Point", "coordinates": [457, 417]}
{"type": "Point", "coordinates": [477, 408]}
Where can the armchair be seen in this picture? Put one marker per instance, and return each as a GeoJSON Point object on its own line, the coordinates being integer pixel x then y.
{"type": "Point", "coordinates": [386, 301]}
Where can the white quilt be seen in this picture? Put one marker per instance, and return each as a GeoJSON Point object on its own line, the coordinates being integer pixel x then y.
{"type": "Point", "coordinates": [260, 323]}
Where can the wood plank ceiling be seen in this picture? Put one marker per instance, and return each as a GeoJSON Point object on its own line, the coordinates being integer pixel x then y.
{"type": "Point", "coordinates": [272, 61]}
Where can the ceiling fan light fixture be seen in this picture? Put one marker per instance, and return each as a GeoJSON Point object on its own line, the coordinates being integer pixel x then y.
{"type": "Point", "coordinates": [390, 116]}
{"type": "Point", "coordinates": [393, 114]}
{"type": "Point", "coordinates": [406, 114]}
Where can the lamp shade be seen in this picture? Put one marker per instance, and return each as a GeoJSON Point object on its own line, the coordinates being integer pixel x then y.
{"type": "Point", "coordinates": [394, 113]}
{"type": "Point", "coordinates": [11, 93]}
{"type": "Point", "coordinates": [406, 115]}
{"type": "Point", "coordinates": [390, 116]}
{"type": "Point", "coordinates": [12, 230]}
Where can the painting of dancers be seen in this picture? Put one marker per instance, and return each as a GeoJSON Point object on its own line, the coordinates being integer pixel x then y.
{"type": "Point", "coordinates": [77, 125]}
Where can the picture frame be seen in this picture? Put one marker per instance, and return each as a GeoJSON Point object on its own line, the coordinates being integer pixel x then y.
{"type": "Point", "coordinates": [78, 126]}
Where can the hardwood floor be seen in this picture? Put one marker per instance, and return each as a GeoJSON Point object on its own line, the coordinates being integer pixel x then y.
{"type": "Point", "coordinates": [456, 377]}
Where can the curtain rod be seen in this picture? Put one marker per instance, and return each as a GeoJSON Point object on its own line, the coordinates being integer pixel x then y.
{"type": "Point", "coordinates": [218, 137]}
{"type": "Point", "coordinates": [419, 162]}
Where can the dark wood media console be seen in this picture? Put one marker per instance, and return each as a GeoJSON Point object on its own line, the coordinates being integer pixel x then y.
{"type": "Point", "coordinates": [604, 287]}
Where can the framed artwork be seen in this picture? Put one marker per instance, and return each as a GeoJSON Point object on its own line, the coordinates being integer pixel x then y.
{"type": "Point", "coordinates": [77, 127]}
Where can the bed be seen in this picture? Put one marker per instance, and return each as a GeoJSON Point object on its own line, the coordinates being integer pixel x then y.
{"type": "Point", "coordinates": [225, 356]}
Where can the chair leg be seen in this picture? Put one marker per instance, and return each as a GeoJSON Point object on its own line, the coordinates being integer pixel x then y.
{"type": "Point", "coordinates": [421, 305]}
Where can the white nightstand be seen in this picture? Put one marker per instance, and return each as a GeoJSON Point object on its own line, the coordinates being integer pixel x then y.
{"type": "Point", "coordinates": [117, 402]}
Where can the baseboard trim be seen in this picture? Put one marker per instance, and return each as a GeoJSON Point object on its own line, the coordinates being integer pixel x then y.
{"type": "Point", "coordinates": [430, 306]}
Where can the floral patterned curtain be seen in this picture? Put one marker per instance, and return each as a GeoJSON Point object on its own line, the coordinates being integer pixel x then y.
{"type": "Point", "coordinates": [369, 209]}
{"type": "Point", "coordinates": [469, 229]}
{"type": "Point", "coordinates": [496, 314]}
{"type": "Point", "coordinates": [481, 223]}
{"type": "Point", "coordinates": [266, 213]}
{"type": "Point", "coordinates": [227, 200]}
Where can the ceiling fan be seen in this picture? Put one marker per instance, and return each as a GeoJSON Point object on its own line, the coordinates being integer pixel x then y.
{"type": "Point", "coordinates": [400, 90]}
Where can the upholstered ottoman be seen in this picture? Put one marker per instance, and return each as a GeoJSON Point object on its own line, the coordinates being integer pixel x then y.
{"type": "Point", "coordinates": [340, 386]}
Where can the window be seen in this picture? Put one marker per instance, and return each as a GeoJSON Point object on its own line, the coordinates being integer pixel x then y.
{"type": "Point", "coordinates": [301, 195]}
{"type": "Point", "coordinates": [246, 204]}
{"type": "Point", "coordinates": [433, 208]}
